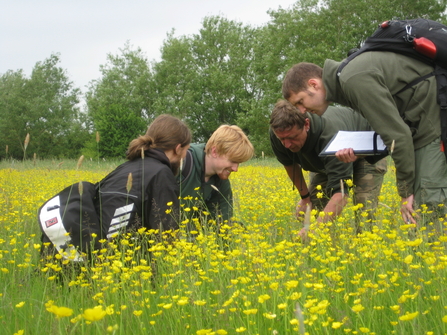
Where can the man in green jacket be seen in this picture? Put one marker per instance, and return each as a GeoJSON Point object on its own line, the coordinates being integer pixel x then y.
{"type": "Point", "coordinates": [204, 179]}
{"type": "Point", "coordinates": [298, 138]}
{"type": "Point", "coordinates": [407, 120]}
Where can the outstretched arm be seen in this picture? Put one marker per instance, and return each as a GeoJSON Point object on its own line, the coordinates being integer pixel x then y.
{"type": "Point", "coordinates": [334, 207]}
{"type": "Point", "coordinates": [295, 174]}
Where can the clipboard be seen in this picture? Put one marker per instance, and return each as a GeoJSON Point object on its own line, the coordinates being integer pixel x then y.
{"type": "Point", "coordinates": [366, 143]}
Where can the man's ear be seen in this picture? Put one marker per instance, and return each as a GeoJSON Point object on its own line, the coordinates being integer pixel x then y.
{"type": "Point", "coordinates": [314, 83]}
{"type": "Point", "coordinates": [214, 153]}
{"type": "Point", "coordinates": [307, 124]}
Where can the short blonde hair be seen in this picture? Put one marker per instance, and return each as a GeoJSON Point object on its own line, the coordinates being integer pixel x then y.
{"type": "Point", "coordinates": [232, 142]}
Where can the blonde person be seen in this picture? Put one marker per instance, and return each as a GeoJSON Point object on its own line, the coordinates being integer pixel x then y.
{"type": "Point", "coordinates": [204, 179]}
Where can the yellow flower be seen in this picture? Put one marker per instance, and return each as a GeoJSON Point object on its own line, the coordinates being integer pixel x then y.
{"type": "Point", "coordinates": [20, 332]}
{"type": "Point", "coordinates": [282, 306]}
{"type": "Point", "coordinates": [263, 298]}
{"type": "Point", "coordinates": [269, 316]}
{"type": "Point", "coordinates": [295, 296]}
{"type": "Point", "coordinates": [111, 329]}
{"type": "Point", "coordinates": [336, 325]}
{"type": "Point", "coordinates": [357, 308]}
{"type": "Point", "coordinates": [20, 304]}
{"type": "Point", "coordinates": [250, 311]}
{"type": "Point", "coordinates": [240, 329]}
{"type": "Point", "coordinates": [60, 311]}
{"type": "Point", "coordinates": [291, 284]}
{"type": "Point", "coordinates": [408, 316]}
{"type": "Point", "coordinates": [200, 302]}
{"type": "Point", "coordinates": [182, 301]}
{"type": "Point", "coordinates": [221, 332]}
{"type": "Point", "coordinates": [169, 203]}
{"type": "Point", "coordinates": [408, 259]}
{"type": "Point", "coordinates": [137, 313]}
{"type": "Point", "coordinates": [319, 187]}
{"type": "Point", "coordinates": [364, 329]}
{"type": "Point", "coordinates": [94, 314]}
{"type": "Point", "coordinates": [395, 308]}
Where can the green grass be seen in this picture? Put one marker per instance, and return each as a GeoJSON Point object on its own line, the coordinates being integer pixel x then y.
{"type": "Point", "coordinates": [390, 279]}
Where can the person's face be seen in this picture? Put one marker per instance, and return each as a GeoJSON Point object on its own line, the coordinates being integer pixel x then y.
{"type": "Point", "coordinates": [223, 166]}
{"type": "Point", "coordinates": [312, 100]}
{"type": "Point", "coordinates": [293, 138]}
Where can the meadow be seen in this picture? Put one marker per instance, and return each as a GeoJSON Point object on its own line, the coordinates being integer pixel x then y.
{"type": "Point", "coordinates": [256, 277]}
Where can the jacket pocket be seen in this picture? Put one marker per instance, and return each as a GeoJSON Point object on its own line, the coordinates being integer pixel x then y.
{"type": "Point", "coordinates": [433, 190]}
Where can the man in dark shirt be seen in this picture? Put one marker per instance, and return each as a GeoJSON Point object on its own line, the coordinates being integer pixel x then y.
{"type": "Point", "coordinates": [297, 140]}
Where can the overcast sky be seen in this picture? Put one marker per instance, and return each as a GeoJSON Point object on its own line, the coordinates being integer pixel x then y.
{"type": "Point", "coordinates": [83, 32]}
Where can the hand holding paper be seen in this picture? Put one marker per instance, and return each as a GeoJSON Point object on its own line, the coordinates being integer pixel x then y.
{"type": "Point", "coordinates": [346, 155]}
{"type": "Point", "coordinates": [362, 143]}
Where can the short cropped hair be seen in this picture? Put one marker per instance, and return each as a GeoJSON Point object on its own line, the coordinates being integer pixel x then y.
{"type": "Point", "coordinates": [286, 116]}
{"type": "Point", "coordinates": [232, 142]}
{"type": "Point", "coordinates": [297, 77]}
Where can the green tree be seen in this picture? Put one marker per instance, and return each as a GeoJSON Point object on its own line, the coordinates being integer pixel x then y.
{"type": "Point", "coordinates": [12, 110]}
{"type": "Point", "coordinates": [120, 102]}
{"type": "Point", "coordinates": [207, 78]}
{"type": "Point", "coordinates": [44, 105]}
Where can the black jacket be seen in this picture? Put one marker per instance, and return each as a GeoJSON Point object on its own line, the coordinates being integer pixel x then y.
{"type": "Point", "coordinates": [144, 202]}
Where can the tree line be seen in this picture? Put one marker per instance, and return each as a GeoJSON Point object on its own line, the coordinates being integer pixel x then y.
{"type": "Point", "coordinates": [226, 73]}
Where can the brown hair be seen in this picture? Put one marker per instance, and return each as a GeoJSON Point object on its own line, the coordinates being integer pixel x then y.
{"type": "Point", "coordinates": [232, 142]}
{"type": "Point", "coordinates": [286, 116]}
{"type": "Point", "coordinates": [164, 133]}
{"type": "Point", "coordinates": [297, 77]}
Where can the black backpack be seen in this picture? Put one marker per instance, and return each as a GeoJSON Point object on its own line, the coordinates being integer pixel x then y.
{"type": "Point", "coordinates": [422, 39]}
{"type": "Point", "coordinates": [69, 219]}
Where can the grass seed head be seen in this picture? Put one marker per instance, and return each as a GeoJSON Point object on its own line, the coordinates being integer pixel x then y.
{"type": "Point", "coordinates": [129, 182]}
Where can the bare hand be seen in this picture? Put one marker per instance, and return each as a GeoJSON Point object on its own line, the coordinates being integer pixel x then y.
{"type": "Point", "coordinates": [346, 155]}
{"type": "Point", "coordinates": [407, 211]}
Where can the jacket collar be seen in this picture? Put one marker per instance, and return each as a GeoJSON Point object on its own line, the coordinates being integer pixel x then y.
{"type": "Point", "coordinates": [159, 155]}
{"type": "Point", "coordinates": [334, 91]}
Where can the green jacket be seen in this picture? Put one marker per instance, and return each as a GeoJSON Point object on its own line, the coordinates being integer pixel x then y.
{"type": "Point", "coordinates": [192, 184]}
{"type": "Point", "coordinates": [322, 129]}
{"type": "Point", "coordinates": [370, 84]}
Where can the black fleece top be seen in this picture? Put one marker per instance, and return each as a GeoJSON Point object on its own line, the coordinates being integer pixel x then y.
{"type": "Point", "coordinates": [145, 204]}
